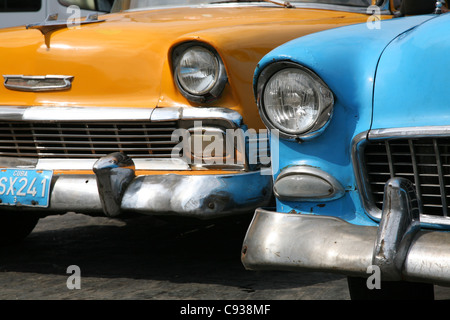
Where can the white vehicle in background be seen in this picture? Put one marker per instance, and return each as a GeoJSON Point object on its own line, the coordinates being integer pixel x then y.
{"type": "Point", "coordinates": [16, 13]}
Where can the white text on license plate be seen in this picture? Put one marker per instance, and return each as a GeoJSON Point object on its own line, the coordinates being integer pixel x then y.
{"type": "Point", "coordinates": [25, 187]}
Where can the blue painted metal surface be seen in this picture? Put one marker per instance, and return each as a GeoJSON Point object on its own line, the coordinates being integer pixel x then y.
{"type": "Point", "coordinates": [346, 59]}
{"type": "Point", "coordinates": [413, 62]}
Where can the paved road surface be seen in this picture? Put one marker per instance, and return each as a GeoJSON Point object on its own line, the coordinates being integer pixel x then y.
{"type": "Point", "coordinates": [148, 258]}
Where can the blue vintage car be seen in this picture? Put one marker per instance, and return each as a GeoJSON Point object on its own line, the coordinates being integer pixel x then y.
{"type": "Point", "coordinates": [361, 165]}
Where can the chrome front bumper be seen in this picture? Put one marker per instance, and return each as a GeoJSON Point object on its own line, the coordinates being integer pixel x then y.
{"type": "Point", "coordinates": [301, 242]}
{"type": "Point", "coordinates": [115, 189]}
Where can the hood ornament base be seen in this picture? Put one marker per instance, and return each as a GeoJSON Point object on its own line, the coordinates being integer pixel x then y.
{"type": "Point", "coordinates": [52, 24]}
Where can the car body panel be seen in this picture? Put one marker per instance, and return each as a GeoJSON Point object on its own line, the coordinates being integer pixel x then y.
{"type": "Point", "coordinates": [349, 71]}
{"type": "Point", "coordinates": [94, 54]}
{"type": "Point", "coordinates": [399, 80]}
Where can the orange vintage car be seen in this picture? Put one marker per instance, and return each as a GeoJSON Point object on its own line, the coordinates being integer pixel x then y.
{"type": "Point", "coordinates": [146, 109]}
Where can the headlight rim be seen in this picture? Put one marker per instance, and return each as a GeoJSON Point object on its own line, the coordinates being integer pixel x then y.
{"type": "Point", "coordinates": [222, 78]}
{"type": "Point", "coordinates": [263, 79]}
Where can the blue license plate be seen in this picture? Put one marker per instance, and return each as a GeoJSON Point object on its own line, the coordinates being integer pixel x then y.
{"type": "Point", "coordinates": [24, 187]}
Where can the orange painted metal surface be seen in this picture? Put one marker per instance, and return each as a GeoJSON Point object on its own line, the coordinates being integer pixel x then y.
{"type": "Point", "coordinates": [125, 61]}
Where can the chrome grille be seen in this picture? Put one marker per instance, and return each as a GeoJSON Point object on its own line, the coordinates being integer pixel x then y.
{"type": "Point", "coordinates": [86, 139]}
{"type": "Point", "coordinates": [424, 161]}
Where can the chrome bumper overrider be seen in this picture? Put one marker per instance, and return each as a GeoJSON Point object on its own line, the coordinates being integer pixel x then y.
{"type": "Point", "coordinates": [401, 250]}
{"type": "Point", "coordinates": [115, 189]}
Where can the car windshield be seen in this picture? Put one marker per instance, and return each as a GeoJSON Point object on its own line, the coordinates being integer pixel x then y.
{"type": "Point", "coordinates": [138, 4]}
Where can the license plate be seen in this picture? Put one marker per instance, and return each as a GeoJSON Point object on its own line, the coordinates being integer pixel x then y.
{"type": "Point", "coordinates": [24, 187]}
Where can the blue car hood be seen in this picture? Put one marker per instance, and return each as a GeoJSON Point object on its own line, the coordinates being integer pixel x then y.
{"type": "Point", "coordinates": [413, 76]}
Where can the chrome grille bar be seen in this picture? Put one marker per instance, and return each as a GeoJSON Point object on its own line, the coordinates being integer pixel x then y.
{"type": "Point", "coordinates": [390, 162]}
{"type": "Point", "coordinates": [416, 174]}
{"type": "Point", "coordinates": [424, 161]}
{"type": "Point", "coordinates": [441, 177]}
{"type": "Point", "coordinates": [90, 140]}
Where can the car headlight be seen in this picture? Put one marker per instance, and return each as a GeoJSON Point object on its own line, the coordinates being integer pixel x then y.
{"type": "Point", "coordinates": [294, 100]}
{"type": "Point", "coordinates": [199, 72]}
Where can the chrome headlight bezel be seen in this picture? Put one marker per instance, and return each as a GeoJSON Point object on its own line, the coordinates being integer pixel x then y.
{"type": "Point", "coordinates": [324, 113]}
{"type": "Point", "coordinates": [215, 90]}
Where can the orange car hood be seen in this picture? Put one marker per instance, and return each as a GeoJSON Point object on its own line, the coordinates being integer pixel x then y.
{"type": "Point", "coordinates": [125, 60]}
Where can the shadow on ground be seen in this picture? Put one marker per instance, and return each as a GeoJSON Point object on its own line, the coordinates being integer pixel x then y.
{"type": "Point", "coordinates": [174, 252]}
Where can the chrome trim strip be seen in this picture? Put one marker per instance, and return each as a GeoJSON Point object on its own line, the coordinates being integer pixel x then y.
{"type": "Point", "coordinates": [64, 164]}
{"type": "Point", "coordinates": [49, 113]}
{"type": "Point", "coordinates": [38, 83]}
{"type": "Point", "coordinates": [211, 115]}
{"type": "Point", "coordinates": [249, 4]}
{"type": "Point", "coordinates": [161, 164]}
{"type": "Point", "coordinates": [166, 114]}
{"type": "Point", "coordinates": [360, 171]}
{"type": "Point", "coordinates": [57, 113]}
{"type": "Point", "coordinates": [409, 132]}
{"type": "Point", "coordinates": [334, 7]}
{"type": "Point", "coordinates": [12, 113]}
{"type": "Point", "coordinates": [87, 164]}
